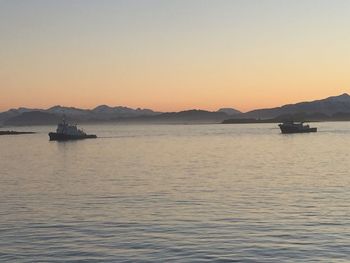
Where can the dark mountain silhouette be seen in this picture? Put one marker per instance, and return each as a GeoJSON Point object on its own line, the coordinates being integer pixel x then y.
{"type": "Point", "coordinates": [33, 118]}
{"type": "Point", "coordinates": [332, 108]}
{"type": "Point", "coordinates": [328, 106]}
{"type": "Point", "coordinates": [67, 110]}
{"type": "Point", "coordinates": [301, 117]}
{"type": "Point", "coordinates": [189, 116]}
{"type": "Point", "coordinates": [100, 113]}
{"type": "Point", "coordinates": [104, 113]}
{"type": "Point", "coordinates": [13, 113]}
{"type": "Point", "coordinates": [230, 111]}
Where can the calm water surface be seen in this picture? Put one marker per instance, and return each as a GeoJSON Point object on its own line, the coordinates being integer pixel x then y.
{"type": "Point", "coordinates": [177, 193]}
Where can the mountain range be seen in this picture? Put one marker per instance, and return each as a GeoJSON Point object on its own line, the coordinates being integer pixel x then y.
{"type": "Point", "coordinates": [325, 108]}
{"type": "Point", "coordinates": [104, 113]}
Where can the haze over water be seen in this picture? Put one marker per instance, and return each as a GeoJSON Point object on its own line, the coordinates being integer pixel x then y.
{"type": "Point", "coordinates": [179, 193]}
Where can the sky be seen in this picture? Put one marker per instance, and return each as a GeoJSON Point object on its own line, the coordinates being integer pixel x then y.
{"type": "Point", "coordinates": [172, 55]}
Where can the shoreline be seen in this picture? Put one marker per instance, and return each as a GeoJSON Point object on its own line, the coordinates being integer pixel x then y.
{"type": "Point", "coordinates": [14, 133]}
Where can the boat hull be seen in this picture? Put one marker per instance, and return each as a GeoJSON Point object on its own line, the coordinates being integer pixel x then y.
{"type": "Point", "coordinates": [65, 137]}
{"type": "Point", "coordinates": [288, 130]}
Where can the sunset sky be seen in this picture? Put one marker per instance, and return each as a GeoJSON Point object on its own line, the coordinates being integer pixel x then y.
{"type": "Point", "coordinates": [172, 55]}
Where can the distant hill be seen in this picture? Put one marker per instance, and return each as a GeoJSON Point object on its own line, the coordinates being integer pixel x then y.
{"type": "Point", "coordinates": [69, 111]}
{"type": "Point", "coordinates": [230, 111]}
{"type": "Point", "coordinates": [46, 118]}
{"type": "Point", "coordinates": [331, 108]}
{"type": "Point", "coordinates": [13, 113]}
{"type": "Point", "coordinates": [100, 113]}
{"type": "Point", "coordinates": [299, 117]}
{"type": "Point", "coordinates": [328, 106]}
{"type": "Point", "coordinates": [106, 112]}
{"type": "Point", "coordinates": [32, 118]}
{"type": "Point", "coordinates": [182, 117]}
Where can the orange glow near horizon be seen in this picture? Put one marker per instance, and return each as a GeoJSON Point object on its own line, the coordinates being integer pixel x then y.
{"type": "Point", "coordinates": [172, 56]}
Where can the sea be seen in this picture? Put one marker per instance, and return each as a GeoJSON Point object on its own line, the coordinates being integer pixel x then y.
{"type": "Point", "coordinates": [177, 193]}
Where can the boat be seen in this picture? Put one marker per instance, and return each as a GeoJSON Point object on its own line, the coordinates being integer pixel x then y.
{"type": "Point", "coordinates": [295, 127]}
{"type": "Point", "coordinates": [65, 132]}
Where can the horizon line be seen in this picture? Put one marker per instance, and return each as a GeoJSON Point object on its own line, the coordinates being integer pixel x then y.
{"type": "Point", "coordinates": [146, 108]}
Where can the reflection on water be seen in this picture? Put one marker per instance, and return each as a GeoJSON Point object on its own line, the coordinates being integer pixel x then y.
{"type": "Point", "coordinates": [177, 193]}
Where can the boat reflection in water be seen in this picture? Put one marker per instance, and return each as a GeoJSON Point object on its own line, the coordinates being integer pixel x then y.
{"type": "Point", "coordinates": [295, 127]}
{"type": "Point", "coordinates": [65, 132]}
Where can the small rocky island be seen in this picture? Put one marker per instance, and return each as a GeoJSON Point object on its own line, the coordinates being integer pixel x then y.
{"type": "Point", "coordinates": [14, 133]}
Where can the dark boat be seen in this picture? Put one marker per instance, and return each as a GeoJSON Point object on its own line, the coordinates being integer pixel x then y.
{"type": "Point", "coordinates": [65, 132]}
{"type": "Point", "coordinates": [295, 127]}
